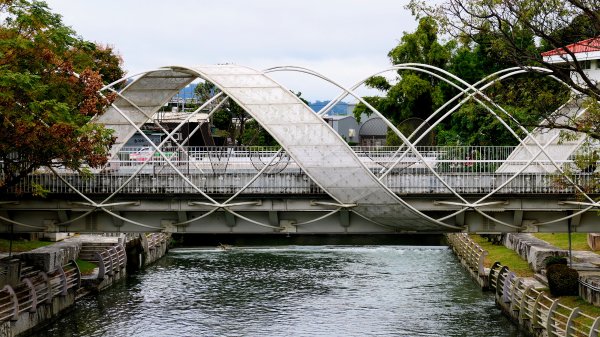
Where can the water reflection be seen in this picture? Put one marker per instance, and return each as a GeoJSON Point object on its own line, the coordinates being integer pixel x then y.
{"type": "Point", "coordinates": [293, 291]}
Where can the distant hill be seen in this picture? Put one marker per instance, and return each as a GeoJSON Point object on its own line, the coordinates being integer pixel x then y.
{"type": "Point", "coordinates": [342, 108]}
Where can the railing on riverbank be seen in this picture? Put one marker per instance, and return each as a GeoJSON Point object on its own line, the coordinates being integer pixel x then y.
{"type": "Point", "coordinates": [535, 309]}
{"type": "Point", "coordinates": [110, 258]}
{"type": "Point", "coordinates": [223, 170]}
{"type": "Point", "coordinates": [471, 255]}
{"type": "Point", "coordinates": [156, 240]}
{"type": "Point", "coordinates": [37, 288]}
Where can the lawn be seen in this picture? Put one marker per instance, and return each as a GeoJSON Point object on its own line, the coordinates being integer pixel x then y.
{"type": "Point", "coordinates": [86, 267]}
{"type": "Point", "coordinates": [507, 257]}
{"type": "Point", "coordinates": [561, 240]}
{"type": "Point", "coordinates": [22, 245]}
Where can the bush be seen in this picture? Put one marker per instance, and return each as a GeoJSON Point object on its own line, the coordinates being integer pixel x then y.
{"type": "Point", "coordinates": [556, 260]}
{"type": "Point", "coordinates": [562, 280]}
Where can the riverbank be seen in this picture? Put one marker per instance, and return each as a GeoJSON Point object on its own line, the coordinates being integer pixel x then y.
{"type": "Point", "coordinates": [39, 284]}
{"type": "Point", "coordinates": [524, 296]}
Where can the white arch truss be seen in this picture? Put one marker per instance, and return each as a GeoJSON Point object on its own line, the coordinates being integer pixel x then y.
{"type": "Point", "coordinates": [316, 148]}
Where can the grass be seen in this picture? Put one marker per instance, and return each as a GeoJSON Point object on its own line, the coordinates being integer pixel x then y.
{"type": "Point", "coordinates": [516, 264]}
{"type": "Point", "coordinates": [507, 257]}
{"type": "Point", "coordinates": [21, 245]}
{"type": "Point", "coordinates": [561, 240]}
{"type": "Point", "coordinates": [585, 307]}
{"type": "Point", "coordinates": [86, 267]}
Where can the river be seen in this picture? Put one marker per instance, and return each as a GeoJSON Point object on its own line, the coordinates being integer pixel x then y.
{"type": "Point", "coordinates": [292, 291]}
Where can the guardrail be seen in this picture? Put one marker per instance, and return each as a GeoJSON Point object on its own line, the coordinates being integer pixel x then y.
{"type": "Point", "coordinates": [224, 170]}
{"type": "Point", "coordinates": [468, 251]}
{"type": "Point", "coordinates": [37, 289]}
{"type": "Point", "coordinates": [540, 311]}
{"type": "Point", "coordinates": [156, 240]}
{"type": "Point", "coordinates": [417, 182]}
{"type": "Point", "coordinates": [110, 258]}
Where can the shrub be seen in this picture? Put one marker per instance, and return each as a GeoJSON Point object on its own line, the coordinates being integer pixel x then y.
{"type": "Point", "coordinates": [562, 280]}
{"type": "Point", "coordinates": [555, 260]}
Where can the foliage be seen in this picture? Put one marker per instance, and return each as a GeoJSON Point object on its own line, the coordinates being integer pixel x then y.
{"type": "Point", "coordinates": [552, 260]}
{"type": "Point", "coordinates": [521, 30]}
{"type": "Point", "coordinates": [49, 82]}
{"type": "Point", "coordinates": [254, 134]}
{"type": "Point", "coordinates": [416, 95]}
{"type": "Point", "coordinates": [562, 280]}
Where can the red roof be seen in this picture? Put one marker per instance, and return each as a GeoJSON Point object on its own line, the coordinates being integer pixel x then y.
{"type": "Point", "coordinates": [585, 46]}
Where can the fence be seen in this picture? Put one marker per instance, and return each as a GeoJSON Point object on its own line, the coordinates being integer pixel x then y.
{"type": "Point", "coordinates": [156, 240]}
{"type": "Point", "coordinates": [224, 170]}
{"type": "Point", "coordinates": [36, 289]}
{"type": "Point", "coordinates": [469, 252]}
{"type": "Point", "coordinates": [110, 258]}
{"type": "Point", "coordinates": [535, 308]}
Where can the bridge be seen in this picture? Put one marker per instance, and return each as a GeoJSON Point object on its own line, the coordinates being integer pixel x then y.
{"type": "Point", "coordinates": [314, 182]}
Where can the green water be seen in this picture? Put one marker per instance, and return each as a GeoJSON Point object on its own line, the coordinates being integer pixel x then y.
{"type": "Point", "coordinates": [292, 291]}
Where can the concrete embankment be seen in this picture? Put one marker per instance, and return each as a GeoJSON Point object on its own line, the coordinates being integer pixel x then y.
{"type": "Point", "coordinates": [39, 284]}
{"type": "Point", "coordinates": [525, 300]}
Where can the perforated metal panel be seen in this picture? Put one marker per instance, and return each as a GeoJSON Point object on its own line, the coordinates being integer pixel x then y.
{"type": "Point", "coordinates": [310, 141]}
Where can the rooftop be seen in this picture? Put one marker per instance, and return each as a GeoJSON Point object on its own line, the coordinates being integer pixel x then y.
{"type": "Point", "coordinates": [589, 47]}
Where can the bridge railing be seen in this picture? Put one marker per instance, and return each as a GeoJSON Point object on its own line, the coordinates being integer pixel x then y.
{"type": "Point", "coordinates": [297, 183]}
{"type": "Point", "coordinates": [223, 170]}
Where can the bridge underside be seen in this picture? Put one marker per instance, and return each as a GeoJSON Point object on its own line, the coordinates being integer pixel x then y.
{"type": "Point", "coordinates": [303, 215]}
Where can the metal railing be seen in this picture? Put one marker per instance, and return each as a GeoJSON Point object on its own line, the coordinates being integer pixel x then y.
{"type": "Point", "coordinates": [156, 240]}
{"type": "Point", "coordinates": [224, 170]}
{"type": "Point", "coordinates": [110, 258]}
{"type": "Point", "coordinates": [468, 251]}
{"type": "Point", "coordinates": [37, 289]}
{"type": "Point", "coordinates": [542, 311]}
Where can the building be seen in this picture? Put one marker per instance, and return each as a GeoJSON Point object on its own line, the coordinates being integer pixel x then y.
{"type": "Point", "coordinates": [371, 131]}
{"type": "Point", "coordinates": [587, 53]}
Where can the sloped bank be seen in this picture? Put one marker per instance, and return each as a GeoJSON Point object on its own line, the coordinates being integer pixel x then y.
{"type": "Point", "coordinates": [524, 299]}
{"type": "Point", "coordinates": [40, 284]}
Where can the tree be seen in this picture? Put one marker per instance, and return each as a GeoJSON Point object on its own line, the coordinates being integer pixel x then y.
{"type": "Point", "coordinates": [230, 118]}
{"type": "Point", "coordinates": [233, 121]}
{"type": "Point", "coordinates": [49, 82]}
{"type": "Point", "coordinates": [554, 24]}
{"type": "Point", "coordinates": [414, 94]}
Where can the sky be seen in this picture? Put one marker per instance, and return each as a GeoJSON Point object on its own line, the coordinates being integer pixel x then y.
{"type": "Point", "coordinates": [346, 40]}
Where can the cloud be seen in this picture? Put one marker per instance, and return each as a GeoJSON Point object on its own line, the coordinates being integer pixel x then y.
{"type": "Point", "coordinates": [343, 39]}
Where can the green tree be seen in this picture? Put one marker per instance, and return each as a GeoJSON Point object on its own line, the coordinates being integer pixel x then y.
{"type": "Point", "coordinates": [49, 82]}
{"type": "Point", "coordinates": [553, 24]}
{"type": "Point", "coordinates": [414, 94]}
{"type": "Point", "coordinates": [528, 98]}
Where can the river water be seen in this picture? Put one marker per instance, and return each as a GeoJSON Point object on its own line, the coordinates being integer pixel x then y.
{"type": "Point", "coordinates": [292, 291]}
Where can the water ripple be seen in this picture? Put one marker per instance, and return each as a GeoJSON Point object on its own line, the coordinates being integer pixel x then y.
{"type": "Point", "coordinates": [293, 291]}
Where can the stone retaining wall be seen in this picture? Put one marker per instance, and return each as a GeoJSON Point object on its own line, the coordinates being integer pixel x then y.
{"type": "Point", "coordinates": [533, 250]}
{"type": "Point", "coordinates": [51, 258]}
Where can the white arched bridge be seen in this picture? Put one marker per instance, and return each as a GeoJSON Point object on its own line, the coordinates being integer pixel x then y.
{"type": "Point", "coordinates": [313, 182]}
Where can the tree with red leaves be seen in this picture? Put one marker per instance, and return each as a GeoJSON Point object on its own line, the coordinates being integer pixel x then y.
{"type": "Point", "coordinates": [49, 82]}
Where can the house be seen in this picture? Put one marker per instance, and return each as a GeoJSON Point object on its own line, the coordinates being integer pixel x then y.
{"type": "Point", "coordinates": [371, 131]}
{"type": "Point", "coordinates": [587, 53]}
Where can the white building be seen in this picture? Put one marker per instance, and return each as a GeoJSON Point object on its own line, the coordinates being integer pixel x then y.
{"type": "Point", "coordinates": [587, 53]}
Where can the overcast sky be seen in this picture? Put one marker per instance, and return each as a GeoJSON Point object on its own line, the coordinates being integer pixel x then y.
{"type": "Point", "coordinates": [346, 40]}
